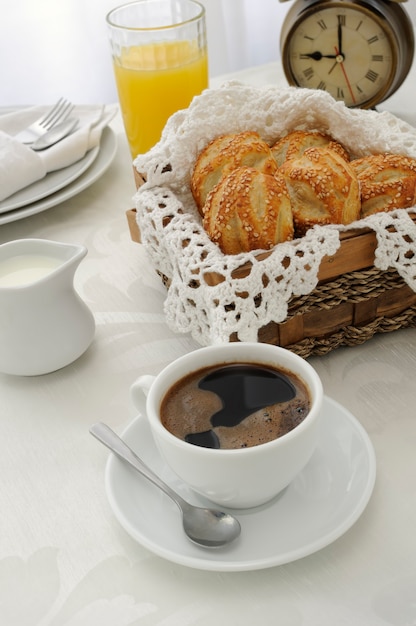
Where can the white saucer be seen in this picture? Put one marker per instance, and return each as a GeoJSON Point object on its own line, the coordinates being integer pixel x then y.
{"type": "Point", "coordinates": [90, 168]}
{"type": "Point", "coordinates": [319, 506]}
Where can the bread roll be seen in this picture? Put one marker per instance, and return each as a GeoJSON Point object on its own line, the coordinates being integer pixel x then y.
{"type": "Point", "coordinates": [223, 155]}
{"type": "Point", "coordinates": [294, 144]}
{"type": "Point", "coordinates": [248, 210]}
{"type": "Point", "coordinates": [323, 189]}
{"type": "Point", "coordinates": [387, 182]}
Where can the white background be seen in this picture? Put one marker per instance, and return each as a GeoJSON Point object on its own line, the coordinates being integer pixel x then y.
{"type": "Point", "coordinates": [52, 48]}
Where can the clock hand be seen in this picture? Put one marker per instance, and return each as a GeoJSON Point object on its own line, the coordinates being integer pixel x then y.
{"type": "Point", "coordinates": [333, 67]}
{"type": "Point", "coordinates": [340, 60]}
{"type": "Point", "coordinates": [317, 56]}
{"type": "Point", "coordinates": [340, 38]}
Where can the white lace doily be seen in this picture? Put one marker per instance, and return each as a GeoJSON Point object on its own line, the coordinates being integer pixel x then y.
{"type": "Point", "coordinates": [180, 249]}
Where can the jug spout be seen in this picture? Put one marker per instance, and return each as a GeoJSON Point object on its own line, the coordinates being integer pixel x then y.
{"type": "Point", "coordinates": [25, 262]}
{"type": "Point", "coordinates": [44, 324]}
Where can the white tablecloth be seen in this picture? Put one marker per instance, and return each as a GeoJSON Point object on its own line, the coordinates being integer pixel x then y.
{"type": "Point", "coordinates": [65, 560]}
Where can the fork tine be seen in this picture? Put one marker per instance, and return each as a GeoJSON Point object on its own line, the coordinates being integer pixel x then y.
{"type": "Point", "coordinates": [51, 111]}
{"type": "Point", "coordinates": [59, 115]}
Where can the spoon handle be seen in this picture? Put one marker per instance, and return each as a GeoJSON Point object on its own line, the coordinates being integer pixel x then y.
{"type": "Point", "coordinates": [109, 438]}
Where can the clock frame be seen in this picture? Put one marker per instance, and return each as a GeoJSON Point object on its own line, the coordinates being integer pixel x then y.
{"type": "Point", "coordinates": [379, 48]}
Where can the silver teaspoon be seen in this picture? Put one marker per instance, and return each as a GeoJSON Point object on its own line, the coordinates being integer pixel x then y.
{"type": "Point", "coordinates": [57, 133]}
{"type": "Point", "coordinates": [209, 528]}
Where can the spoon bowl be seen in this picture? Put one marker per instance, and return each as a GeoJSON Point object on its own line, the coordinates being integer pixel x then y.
{"type": "Point", "coordinates": [210, 528]}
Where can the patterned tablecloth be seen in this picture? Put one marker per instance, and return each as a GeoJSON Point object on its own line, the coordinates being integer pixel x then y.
{"type": "Point", "coordinates": [64, 558]}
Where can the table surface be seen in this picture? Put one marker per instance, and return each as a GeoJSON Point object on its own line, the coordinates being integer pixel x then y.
{"type": "Point", "coordinates": [64, 558]}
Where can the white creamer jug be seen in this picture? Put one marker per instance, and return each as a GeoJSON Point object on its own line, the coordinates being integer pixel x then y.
{"type": "Point", "coordinates": [44, 324]}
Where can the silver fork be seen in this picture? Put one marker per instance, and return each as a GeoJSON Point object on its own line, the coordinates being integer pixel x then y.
{"type": "Point", "coordinates": [58, 113]}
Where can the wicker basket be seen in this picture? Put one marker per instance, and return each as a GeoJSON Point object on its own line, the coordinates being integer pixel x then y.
{"type": "Point", "coordinates": [352, 301]}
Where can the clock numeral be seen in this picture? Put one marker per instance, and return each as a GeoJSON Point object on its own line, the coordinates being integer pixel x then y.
{"type": "Point", "coordinates": [322, 24]}
{"type": "Point", "coordinates": [308, 37]}
{"type": "Point", "coordinates": [322, 85]}
{"type": "Point", "coordinates": [372, 39]}
{"type": "Point", "coordinates": [341, 20]}
{"type": "Point", "coordinates": [377, 57]}
{"type": "Point", "coordinates": [308, 73]}
{"type": "Point", "coordinates": [359, 89]}
{"type": "Point", "coordinates": [340, 93]}
{"type": "Point", "coordinates": [371, 75]}
{"type": "Point", "coordinates": [359, 25]}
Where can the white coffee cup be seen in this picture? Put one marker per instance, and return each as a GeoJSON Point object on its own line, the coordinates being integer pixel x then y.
{"type": "Point", "coordinates": [243, 477]}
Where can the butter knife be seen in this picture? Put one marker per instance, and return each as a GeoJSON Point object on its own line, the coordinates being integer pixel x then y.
{"type": "Point", "coordinates": [57, 133]}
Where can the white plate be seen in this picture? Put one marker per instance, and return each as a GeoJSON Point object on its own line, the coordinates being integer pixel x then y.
{"type": "Point", "coordinates": [52, 182]}
{"type": "Point", "coordinates": [319, 506]}
{"type": "Point", "coordinates": [97, 164]}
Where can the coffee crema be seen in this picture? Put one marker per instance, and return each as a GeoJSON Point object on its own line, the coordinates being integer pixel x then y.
{"type": "Point", "coordinates": [235, 406]}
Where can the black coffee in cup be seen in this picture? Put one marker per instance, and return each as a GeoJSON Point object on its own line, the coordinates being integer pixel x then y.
{"type": "Point", "coordinates": [235, 406]}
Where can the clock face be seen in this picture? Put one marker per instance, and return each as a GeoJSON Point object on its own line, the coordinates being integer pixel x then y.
{"type": "Point", "coordinates": [344, 49]}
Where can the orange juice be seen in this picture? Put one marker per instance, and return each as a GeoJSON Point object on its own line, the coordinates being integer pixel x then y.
{"type": "Point", "coordinates": [154, 81]}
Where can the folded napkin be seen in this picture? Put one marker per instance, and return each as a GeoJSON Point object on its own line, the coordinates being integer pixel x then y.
{"type": "Point", "coordinates": [21, 166]}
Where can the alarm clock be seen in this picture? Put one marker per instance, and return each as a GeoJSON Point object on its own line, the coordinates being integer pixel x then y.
{"type": "Point", "coordinates": [360, 51]}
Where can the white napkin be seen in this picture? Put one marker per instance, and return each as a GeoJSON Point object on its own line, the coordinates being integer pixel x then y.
{"type": "Point", "coordinates": [21, 166]}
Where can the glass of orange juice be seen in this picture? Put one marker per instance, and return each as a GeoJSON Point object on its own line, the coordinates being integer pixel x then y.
{"type": "Point", "coordinates": [159, 50]}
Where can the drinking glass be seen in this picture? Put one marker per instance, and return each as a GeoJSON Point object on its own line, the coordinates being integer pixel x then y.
{"type": "Point", "coordinates": [159, 50]}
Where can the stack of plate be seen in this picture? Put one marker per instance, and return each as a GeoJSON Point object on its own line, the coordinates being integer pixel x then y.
{"type": "Point", "coordinates": [61, 185]}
